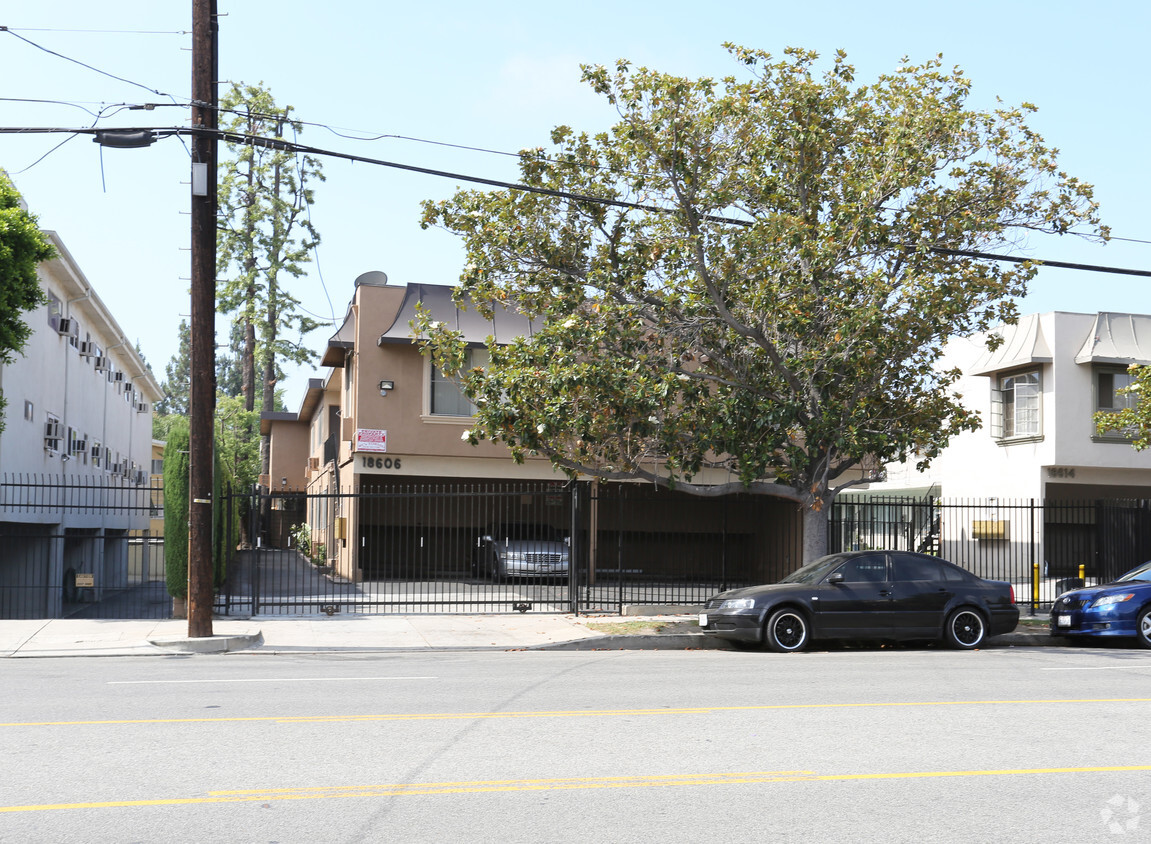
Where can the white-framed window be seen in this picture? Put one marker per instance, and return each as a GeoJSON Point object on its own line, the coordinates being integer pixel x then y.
{"type": "Point", "coordinates": [1015, 406]}
{"type": "Point", "coordinates": [55, 310]}
{"type": "Point", "coordinates": [53, 433]}
{"type": "Point", "coordinates": [446, 397]}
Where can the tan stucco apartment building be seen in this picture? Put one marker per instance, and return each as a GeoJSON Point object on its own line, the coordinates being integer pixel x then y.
{"type": "Point", "coordinates": [383, 418]}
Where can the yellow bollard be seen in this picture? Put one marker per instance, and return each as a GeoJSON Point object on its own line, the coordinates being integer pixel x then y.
{"type": "Point", "coordinates": [1034, 587]}
{"type": "Point", "coordinates": [1082, 572]}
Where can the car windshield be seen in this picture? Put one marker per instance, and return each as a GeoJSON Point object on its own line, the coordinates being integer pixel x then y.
{"type": "Point", "coordinates": [533, 532]}
{"type": "Point", "coordinates": [1142, 572]}
{"type": "Point", "coordinates": [816, 570]}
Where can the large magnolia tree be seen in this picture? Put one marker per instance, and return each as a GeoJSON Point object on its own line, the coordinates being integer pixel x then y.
{"type": "Point", "coordinates": [752, 274]}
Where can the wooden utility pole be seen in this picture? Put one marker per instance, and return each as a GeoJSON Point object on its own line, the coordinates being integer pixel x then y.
{"type": "Point", "coordinates": [203, 329]}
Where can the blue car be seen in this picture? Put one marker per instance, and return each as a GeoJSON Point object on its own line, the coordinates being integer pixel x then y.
{"type": "Point", "coordinates": [1118, 609]}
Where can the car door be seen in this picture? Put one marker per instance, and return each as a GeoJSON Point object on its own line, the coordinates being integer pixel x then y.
{"type": "Point", "coordinates": [920, 594]}
{"type": "Point", "coordinates": [855, 599]}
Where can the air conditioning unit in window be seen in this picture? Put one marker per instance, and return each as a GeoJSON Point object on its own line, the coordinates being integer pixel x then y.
{"type": "Point", "coordinates": [118, 377]}
{"type": "Point", "coordinates": [52, 435]}
{"type": "Point", "coordinates": [68, 327]}
{"type": "Point", "coordinates": [102, 363]}
{"type": "Point", "coordinates": [126, 469]}
{"type": "Point", "coordinates": [86, 348]}
{"type": "Point", "coordinates": [79, 446]}
{"type": "Point", "coordinates": [314, 464]}
{"type": "Point", "coordinates": [141, 407]}
{"type": "Point", "coordinates": [141, 477]}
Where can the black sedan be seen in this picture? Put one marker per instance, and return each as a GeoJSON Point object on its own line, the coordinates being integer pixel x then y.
{"type": "Point", "coordinates": [865, 595]}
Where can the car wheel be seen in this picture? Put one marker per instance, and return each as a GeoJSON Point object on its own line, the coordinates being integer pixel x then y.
{"type": "Point", "coordinates": [965, 629]}
{"type": "Point", "coordinates": [785, 631]}
{"type": "Point", "coordinates": [1143, 627]}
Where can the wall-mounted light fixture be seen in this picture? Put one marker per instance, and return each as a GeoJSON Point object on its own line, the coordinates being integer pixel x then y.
{"type": "Point", "coordinates": [385, 386]}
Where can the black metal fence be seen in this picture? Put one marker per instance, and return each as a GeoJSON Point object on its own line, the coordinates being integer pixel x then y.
{"type": "Point", "coordinates": [431, 548]}
{"type": "Point", "coordinates": [1042, 547]}
{"type": "Point", "coordinates": [73, 547]}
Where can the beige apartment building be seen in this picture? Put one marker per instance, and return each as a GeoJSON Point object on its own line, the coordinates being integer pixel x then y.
{"type": "Point", "coordinates": [384, 418]}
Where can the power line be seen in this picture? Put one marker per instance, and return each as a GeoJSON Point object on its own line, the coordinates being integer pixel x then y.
{"type": "Point", "coordinates": [97, 31]}
{"type": "Point", "coordinates": [287, 146]}
{"type": "Point", "coordinates": [297, 148]}
{"type": "Point", "coordinates": [83, 64]}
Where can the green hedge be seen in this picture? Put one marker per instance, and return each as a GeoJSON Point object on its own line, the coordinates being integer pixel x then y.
{"type": "Point", "coordinates": [176, 508]}
{"type": "Point", "coordinates": [176, 482]}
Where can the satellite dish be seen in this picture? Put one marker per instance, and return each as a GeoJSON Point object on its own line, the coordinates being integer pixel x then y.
{"type": "Point", "coordinates": [375, 278]}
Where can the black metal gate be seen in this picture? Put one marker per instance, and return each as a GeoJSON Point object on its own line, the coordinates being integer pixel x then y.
{"type": "Point", "coordinates": [402, 549]}
{"type": "Point", "coordinates": [441, 547]}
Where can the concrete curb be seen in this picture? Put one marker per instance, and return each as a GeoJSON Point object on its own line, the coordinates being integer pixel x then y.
{"type": "Point", "coordinates": [209, 644]}
{"type": "Point", "coordinates": [701, 641]}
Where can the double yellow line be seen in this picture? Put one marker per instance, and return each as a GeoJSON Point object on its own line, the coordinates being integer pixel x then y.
{"type": "Point", "coordinates": [537, 785]}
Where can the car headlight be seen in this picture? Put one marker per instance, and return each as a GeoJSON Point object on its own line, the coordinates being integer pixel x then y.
{"type": "Point", "coordinates": [1108, 600]}
{"type": "Point", "coordinates": [738, 604]}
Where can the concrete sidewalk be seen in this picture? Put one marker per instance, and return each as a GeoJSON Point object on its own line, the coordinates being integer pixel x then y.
{"type": "Point", "coordinates": [371, 633]}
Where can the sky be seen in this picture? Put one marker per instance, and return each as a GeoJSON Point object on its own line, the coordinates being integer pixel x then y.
{"type": "Point", "coordinates": [415, 83]}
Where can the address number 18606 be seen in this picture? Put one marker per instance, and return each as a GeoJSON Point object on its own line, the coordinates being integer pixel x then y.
{"type": "Point", "coordinates": [380, 462]}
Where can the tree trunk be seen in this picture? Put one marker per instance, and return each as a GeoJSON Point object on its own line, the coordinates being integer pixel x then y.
{"type": "Point", "coordinates": [268, 403]}
{"type": "Point", "coordinates": [815, 523]}
{"type": "Point", "coordinates": [248, 367]}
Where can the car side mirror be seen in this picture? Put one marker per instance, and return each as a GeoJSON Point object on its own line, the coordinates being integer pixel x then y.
{"type": "Point", "coordinates": [836, 578]}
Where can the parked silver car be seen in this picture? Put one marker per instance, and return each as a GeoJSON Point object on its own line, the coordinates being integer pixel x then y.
{"type": "Point", "coordinates": [520, 549]}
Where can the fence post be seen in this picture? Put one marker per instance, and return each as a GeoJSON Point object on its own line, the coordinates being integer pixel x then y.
{"type": "Point", "coordinates": [1034, 563]}
{"type": "Point", "coordinates": [575, 552]}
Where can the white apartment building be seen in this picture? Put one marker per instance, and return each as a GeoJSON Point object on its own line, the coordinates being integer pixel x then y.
{"type": "Point", "coordinates": [1038, 474]}
{"type": "Point", "coordinates": [76, 450]}
{"type": "Point", "coordinates": [1037, 395]}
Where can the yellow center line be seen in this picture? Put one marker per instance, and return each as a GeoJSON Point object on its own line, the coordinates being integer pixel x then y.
{"type": "Point", "coordinates": [536, 785]}
{"type": "Point", "coordinates": [561, 713]}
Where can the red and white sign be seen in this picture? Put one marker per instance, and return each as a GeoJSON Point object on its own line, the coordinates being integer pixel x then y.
{"type": "Point", "coordinates": [370, 439]}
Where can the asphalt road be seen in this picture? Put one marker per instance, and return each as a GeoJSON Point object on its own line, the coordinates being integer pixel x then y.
{"type": "Point", "coordinates": [1030, 744]}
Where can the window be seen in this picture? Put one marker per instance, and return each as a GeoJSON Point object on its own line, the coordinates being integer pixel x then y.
{"type": "Point", "coordinates": [1109, 386]}
{"type": "Point", "coordinates": [446, 397]}
{"type": "Point", "coordinates": [52, 433]}
{"type": "Point", "coordinates": [1110, 398]}
{"type": "Point", "coordinates": [1015, 406]}
{"type": "Point", "coordinates": [870, 568]}
{"type": "Point", "coordinates": [29, 411]}
{"type": "Point", "coordinates": [55, 309]}
{"type": "Point", "coordinates": [915, 568]}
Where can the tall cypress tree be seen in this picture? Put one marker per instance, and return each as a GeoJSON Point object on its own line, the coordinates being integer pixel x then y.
{"type": "Point", "coordinates": [264, 240]}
